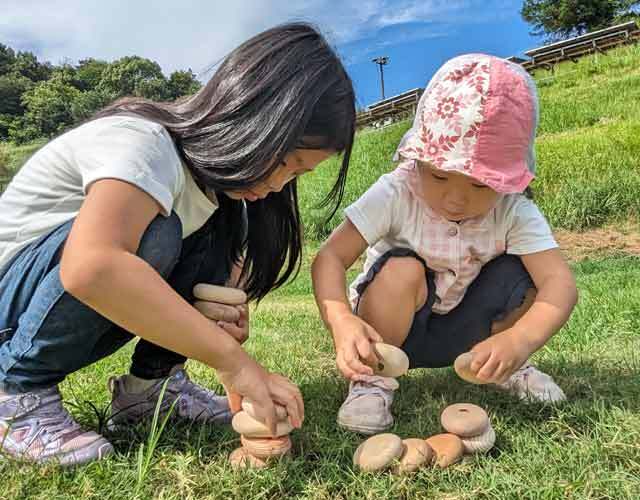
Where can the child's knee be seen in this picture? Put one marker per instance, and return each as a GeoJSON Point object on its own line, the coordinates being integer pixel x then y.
{"type": "Point", "coordinates": [514, 314]}
{"type": "Point", "coordinates": [402, 276]}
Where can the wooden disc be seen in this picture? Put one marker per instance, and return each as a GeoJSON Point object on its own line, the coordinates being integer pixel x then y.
{"type": "Point", "coordinates": [247, 405]}
{"type": "Point", "coordinates": [464, 420]}
{"type": "Point", "coordinates": [240, 459]}
{"type": "Point", "coordinates": [393, 362]}
{"type": "Point", "coordinates": [417, 453]}
{"type": "Point", "coordinates": [480, 444]}
{"type": "Point", "coordinates": [222, 294]}
{"type": "Point", "coordinates": [378, 452]}
{"type": "Point", "coordinates": [245, 424]}
{"type": "Point", "coordinates": [266, 448]}
{"type": "Point", "coordinates": [447, 447]}
{"type": "Point", "coordinates": [462, 366]}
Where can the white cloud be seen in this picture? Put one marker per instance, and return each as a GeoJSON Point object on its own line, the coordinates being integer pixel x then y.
{"type": "Point", "coordinates": [197, 33]}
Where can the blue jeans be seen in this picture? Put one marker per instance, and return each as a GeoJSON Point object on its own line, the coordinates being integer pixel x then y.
{"type": "Point", "coordinates": [46, 334]}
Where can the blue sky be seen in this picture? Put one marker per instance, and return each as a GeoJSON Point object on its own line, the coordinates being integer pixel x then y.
{"type": "Point", "coordinates": [417, 35]}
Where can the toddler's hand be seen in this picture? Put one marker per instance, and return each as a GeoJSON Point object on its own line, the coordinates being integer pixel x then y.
{"type": "Point", "coordinates": [354, 339]}
{"type": "Point", "coordinates": [496, 358]}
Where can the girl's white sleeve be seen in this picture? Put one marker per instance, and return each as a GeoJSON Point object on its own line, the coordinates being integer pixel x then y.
{"type": "Point", "coordinates": [373, 213]}
{"type": "Point", "coordinates": [135, 151]}
{"type": "Point", "coordinates": [527, 230]}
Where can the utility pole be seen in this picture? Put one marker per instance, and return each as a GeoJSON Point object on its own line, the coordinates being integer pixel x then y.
{"type": "Point", "coordinates": [381, 61]}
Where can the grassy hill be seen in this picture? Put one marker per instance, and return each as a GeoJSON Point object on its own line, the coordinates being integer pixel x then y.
{"type": "Point", "coordinates": [588, 147]}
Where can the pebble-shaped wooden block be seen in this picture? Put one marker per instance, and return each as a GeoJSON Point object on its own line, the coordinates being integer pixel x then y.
{"type": "Point", "coordinates": [265, 448]}
{"type": "Point", "coordinates": [245, 424]}
{"type": "Point", "coordinates": [448, 449]}
{"type": "Point", "coordinates": [222, 294]}
{"type": "Point", "coordinates": [462, 366]}
{"type": "Point", "coordinates": [240, 459]}
{"type": "Point", "coordinates": [480, 444]}
{"type": "Point", "coordinates": [378, 452]}
{"type": "Point", "coordinates": [247, 405]}
{"type": "Point", "coordinates": [392, 361]}
{"type": "Point", "coordinates": [464, 419]}
{"type": "Point", "coordinates": [417, 453]}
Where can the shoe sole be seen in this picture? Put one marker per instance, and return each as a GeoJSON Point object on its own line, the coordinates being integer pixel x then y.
{"type": "Point", "coordinates": [362, 429]}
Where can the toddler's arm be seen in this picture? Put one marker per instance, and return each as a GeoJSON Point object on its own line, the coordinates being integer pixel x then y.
{"type": "Point", "coordinates": [352, 336]}
{"type": "Point", "coordinates": [499, 356]}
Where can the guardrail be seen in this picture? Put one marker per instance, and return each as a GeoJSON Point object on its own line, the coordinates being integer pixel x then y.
{"type": "Point", "coordinates": [401, 106]}
{"type": "Point", "coordinates": [572, 49]}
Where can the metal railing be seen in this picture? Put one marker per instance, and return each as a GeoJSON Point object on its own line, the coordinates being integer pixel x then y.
{"type": "Point", "coordinates": [391, 109]}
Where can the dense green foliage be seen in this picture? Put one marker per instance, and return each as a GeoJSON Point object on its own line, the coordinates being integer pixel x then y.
{"type": "Point", "coordinates": [559, 19]}
{"type": "Point", "coordinates": [38, 100]}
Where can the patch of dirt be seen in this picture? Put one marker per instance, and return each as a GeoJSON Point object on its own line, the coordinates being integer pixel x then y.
{"type": "Point", "coordinates": [618, 239]}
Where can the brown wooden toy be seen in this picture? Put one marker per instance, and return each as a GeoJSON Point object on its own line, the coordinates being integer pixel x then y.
{"type": "Point", "coordinates": [392, 361]}
{"type": "Point", "coordinates": [447, 447]}
{"type": "Point", "coordinates": [464, 419]}
{"type": "Point", "coordinates": [378, 452]}
{"type": "Point", "coordinates": [222, 294]}
{"type": "Point", "coordinates": [245, 424]}
{"type": "Point", "coordinates": [417, 453]}
{"type": "Point", "coordinates": [462, 366]}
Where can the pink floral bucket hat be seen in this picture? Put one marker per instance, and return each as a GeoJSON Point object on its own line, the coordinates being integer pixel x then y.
{"type": "Point", "coordinates": [478, 116]}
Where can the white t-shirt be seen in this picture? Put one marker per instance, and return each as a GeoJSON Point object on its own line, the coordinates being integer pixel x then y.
{"type": "Point", "coordinates": [50, 187]}
{"type": "Point", "coordinates": [392, 213]}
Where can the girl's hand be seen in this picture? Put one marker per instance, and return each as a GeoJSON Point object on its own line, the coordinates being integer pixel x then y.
{"type": "Point", "coordinates": [239, 329]}
{"type": "Point", "coordinates": [498, 357]}
{"type": "Point", "coordinates": [354, 339]}
{"type": "Point", "coordinates": [232, 319]}
{"type": "Point", "coordinates": [252, 381]}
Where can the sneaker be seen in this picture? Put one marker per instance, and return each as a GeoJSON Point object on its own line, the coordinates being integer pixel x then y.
{"type": "Point", "coordinates": [530, 384]}
{"type": "Point", "coordinates": [194, 402]}
{"type": "Point", "coordinates": [35, 427]}
{"type": "Point", "coordinates": [367, 409]}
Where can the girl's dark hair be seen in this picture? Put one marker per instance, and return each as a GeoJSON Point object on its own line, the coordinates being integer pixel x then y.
{"type": "Point", "coordinates": [281, 90]}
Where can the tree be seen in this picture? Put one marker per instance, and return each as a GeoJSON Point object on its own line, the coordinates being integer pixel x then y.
{"type": "Point", "coordinates": [7, 56]}
{"type": "Point", "coordinates": [28, 66]}
{"type": "Point", "coordinates": [48, 108]}
{"type": "Point", "coordinates": [12, 86]}
{"type": "Point", "coordinates": [137, 76]}
{"type": "Point", "coordinates": [183, 83]}
{"type": "Point", "coordinates": [560, 19]}
{"type": "Point", "coordinates": [89, 72]}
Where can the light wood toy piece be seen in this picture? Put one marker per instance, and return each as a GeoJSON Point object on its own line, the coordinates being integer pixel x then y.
{"type": "Point", "coordinates": [480, 444]}
{"type": "Point", "coordinates": [417, 453]}
{"type": "Point", "coordinates": [240, 459]}
{"type": "Point", "coordinates": [462, 366]}
{"type": "Point", "coordinates": [378, 452]}
{"type": "Point", "coordinates": [393, 362]}
{"type": "Point", "coordinates": [221, 294]}
{"type": "Point", "coordinates": [447, 447]}
{"type": "Point", "coordinates": [247, 405]}
{"type": "Point", "coordinates": [464, 420]}
{"type": "Point", "coordinates": [266, 448]}
{"type": "Point", "coordinates": [245, 424]}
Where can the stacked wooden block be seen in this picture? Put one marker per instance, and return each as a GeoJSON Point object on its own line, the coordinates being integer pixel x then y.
{"type": "Point", "coordinates": [259, 447]}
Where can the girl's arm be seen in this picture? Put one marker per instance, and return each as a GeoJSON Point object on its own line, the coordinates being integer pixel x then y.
{"type": "Point", "coordinates": [501, 354]}
{"type": "Point", "coordinates": [351, 335]}
{"type": "Point", "coordinates": [100, 268]}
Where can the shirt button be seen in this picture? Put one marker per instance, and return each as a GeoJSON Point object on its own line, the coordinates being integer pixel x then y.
{"type": "Point", "coordinates": [452, 231]}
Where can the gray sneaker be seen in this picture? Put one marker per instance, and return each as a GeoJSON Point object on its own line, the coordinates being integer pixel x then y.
{"type": "Point", "coordinates": [531, 385]}
{"type": "Point", "coordinates": [35, 427]}
{"type": "Point", "coordinates": [367, 409]}
{"type": "Point", "coordinates": [194, 402]}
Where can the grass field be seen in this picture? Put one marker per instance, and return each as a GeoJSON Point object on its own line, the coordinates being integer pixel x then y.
{"type": "Point", "coordinates": [588, 448]}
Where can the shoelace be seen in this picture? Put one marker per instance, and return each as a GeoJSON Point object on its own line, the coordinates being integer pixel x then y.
{"type": "Point", "coordinates": [57, 421]}
{"type": "Point", "coordinates": [363, 389]}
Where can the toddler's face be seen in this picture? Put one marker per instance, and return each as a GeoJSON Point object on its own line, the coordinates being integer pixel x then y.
{"type": "Point", "coordinates": [453, 195]}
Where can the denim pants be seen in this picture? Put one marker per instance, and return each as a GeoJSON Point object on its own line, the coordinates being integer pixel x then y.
{"type": "Point", "coordinates": [46, 334]}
